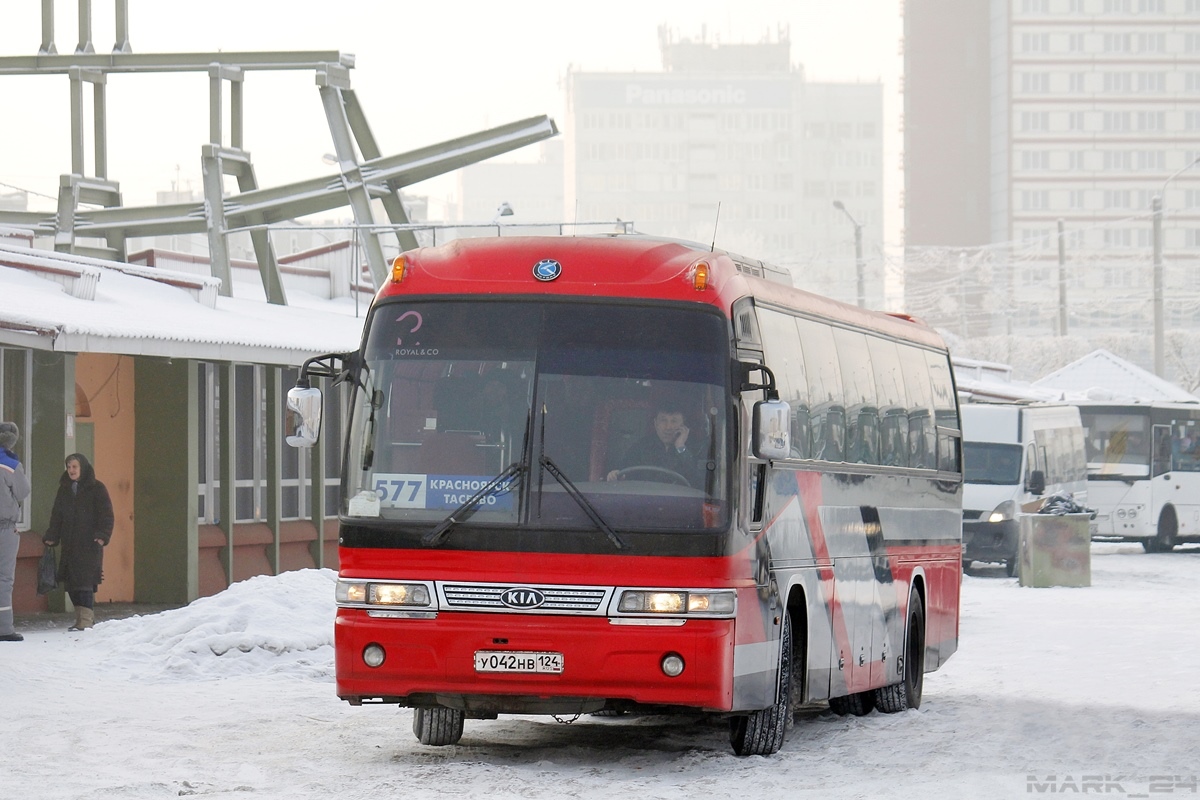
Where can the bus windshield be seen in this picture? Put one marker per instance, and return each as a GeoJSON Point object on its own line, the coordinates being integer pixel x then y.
{"type": "Point", "coordinates": [563, 415]}
{"type": "Point", "coordinates": [1117, 444]}
{"type": "Point", "coordinates": [991, 463]}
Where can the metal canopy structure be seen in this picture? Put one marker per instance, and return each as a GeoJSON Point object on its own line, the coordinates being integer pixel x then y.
{"type": "Point", "coordinates": [364, 173]}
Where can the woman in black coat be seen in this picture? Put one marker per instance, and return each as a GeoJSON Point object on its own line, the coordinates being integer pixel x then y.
{"type": "Point", "coordinates": [82, 520]}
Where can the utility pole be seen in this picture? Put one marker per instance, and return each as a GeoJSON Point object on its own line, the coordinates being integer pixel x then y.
{"type": "Point", "coordinates": [1062, 279]}
{"type": "Point", "coordinates": [860, 266]}
{"type": "Point", "coordinates": [1156, 209]}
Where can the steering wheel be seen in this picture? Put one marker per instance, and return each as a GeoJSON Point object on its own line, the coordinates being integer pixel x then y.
{"type": "Point", "coordinates": [663, 472]}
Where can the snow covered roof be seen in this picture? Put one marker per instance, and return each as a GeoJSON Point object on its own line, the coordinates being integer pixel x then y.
{"type": "Point", "coordinates": [1100, 375]}
{"type": "Point", "coordinates": [64, 303]}
{"type": "Point", "coordinates": [990, 382]}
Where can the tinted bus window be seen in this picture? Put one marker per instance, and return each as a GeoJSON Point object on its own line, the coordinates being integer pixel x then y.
{"type": "Point", "coordinates": [892, 402]}
{"type": "Point", "coordinates": [920, 407]}
{"type": "Point", "coordinates": [945, 411]}
{"type": "Point", "coordinates": [781, 343]}
{"type": "Point", "coordinates": [1184, 445]}
{"type": "Point", "coordinates": [858, 384]}
{"type": "Point", "coordinates": [828, 418]}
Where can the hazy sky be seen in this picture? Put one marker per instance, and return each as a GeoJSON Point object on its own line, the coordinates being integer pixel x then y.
{"type": "Point", "coordinates": [424, 72]}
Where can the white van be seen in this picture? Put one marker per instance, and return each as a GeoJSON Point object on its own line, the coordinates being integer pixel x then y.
{"type": "Point", "coordinates": [1015, 455]}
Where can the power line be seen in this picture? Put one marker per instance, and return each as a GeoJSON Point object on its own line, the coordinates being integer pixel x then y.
{"type": "Point", "coordinates": [27, 191]}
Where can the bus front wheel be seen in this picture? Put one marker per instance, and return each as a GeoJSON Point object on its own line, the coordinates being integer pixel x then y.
{"type": "Point", "coordinates": [438, 726]}
{"type": "Point", "coordinates": [907, 693]}
{"type": "Point", "coordinates": [761, 733]}
{"type": "Point", "coordinates": [1168, 527]}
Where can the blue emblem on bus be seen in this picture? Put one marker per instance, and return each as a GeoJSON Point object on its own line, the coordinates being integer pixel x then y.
{"type": "Point", "coordinates": [547, 269]}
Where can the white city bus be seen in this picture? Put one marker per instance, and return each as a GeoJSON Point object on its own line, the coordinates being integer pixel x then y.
{"type": "Point", "coordinates": [1144, 472]}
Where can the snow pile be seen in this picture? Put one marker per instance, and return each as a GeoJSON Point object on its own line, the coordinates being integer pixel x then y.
{"type": "Point", "coordinates": [265, 625]}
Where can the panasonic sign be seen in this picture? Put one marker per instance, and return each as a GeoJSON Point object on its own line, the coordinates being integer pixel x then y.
{"type": "Point", "coordinates": [728, 95]}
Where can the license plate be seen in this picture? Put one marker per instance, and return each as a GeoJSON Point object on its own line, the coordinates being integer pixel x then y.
{"type": "Point", "coordinates": [516, 661]}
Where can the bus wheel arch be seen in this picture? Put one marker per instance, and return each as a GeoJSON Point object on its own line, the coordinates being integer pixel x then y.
{"type": "Point", "coordinates": [797, 611]}
{"type": "Point", "coordinates": [907, 692]}
{"type": "Point", "coordinates": [762, 732]}
{"type": "Point", "coordinates": [1165, 539]}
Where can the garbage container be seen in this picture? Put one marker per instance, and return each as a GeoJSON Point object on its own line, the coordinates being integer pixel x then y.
{"type": "Point", "coordinates": [1054, 550]}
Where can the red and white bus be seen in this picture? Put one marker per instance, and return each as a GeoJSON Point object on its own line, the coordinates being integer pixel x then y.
{"type": "Point", "coordinates": [632, 474]}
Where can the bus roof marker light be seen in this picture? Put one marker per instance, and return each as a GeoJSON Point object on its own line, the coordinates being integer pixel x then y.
{"type": "Point", "coordinates": [700, 276]}
{"type": "Point", "coordinates": [399, 268]}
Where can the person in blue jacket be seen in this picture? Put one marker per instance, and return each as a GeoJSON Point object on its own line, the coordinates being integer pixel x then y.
{"type": "Point", "coordinates": [14, 488]}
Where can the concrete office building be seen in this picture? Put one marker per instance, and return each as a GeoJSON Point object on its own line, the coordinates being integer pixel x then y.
{"type": "Point", "coordinates": [734, 126]}
{"type": "Point", "coordinates": [1019, 113]}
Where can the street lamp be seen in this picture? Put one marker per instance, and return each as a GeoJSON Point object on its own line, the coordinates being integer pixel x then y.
{"type": "Point", "coordinates": [1156, 208]}
{"type": "Point", "coordinates": [503, 210]}
{"type": "Point", "coordinates": [859, 266]}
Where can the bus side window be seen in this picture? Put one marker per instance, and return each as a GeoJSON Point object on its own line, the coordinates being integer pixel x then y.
{"type": "Point", "coordinates": [781, 345]}
{"type": "Point", "coordinates": [893, 402]}
{"type": "Point", "coordinates": [827, 420]}
{"type": "Point", "coordinates": [945, 413]}
{"type": "Point", "coordinates": [920, 407]}
{"type": "Point", "coordinates": [858, 385]}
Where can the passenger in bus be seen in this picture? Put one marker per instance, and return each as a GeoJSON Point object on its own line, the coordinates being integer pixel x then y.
{"type": "Point", "coordinates": [670, 449]}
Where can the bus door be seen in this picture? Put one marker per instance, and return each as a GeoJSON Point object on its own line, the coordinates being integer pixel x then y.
{"type": "Point", "coordinates": [887, 624]}
{"type": "Point", "coordinates": [1173, 464]}
{"type": "Point", "coordinates": [861, 636]}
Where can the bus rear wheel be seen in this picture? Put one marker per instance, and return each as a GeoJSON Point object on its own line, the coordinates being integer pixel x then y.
{"type": "Point", "coordinates": [907, 693]}
{"type": "Point", "coordinates": [858, 704]}
{"type": "Point", "coordinates": [438, 726]}
{"type": "Point", "coordinates": [761, 733]}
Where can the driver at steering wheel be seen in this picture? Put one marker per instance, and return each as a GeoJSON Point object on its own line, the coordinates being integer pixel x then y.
{"type": "Point", "coordinates": [668, 449]}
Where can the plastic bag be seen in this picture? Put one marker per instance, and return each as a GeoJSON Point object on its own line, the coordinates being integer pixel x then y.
{"type": "Point", "coordinates": [1064, 503]}
{"type": "Point", "coordinates": [47, 579]}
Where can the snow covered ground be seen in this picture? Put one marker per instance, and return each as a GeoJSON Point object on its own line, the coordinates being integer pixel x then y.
{"type": "Point", "coordinates": [1053, 691]}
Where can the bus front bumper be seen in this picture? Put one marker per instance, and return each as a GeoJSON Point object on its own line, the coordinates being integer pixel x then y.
{"type": "Point", "coordinates": [433, 661]}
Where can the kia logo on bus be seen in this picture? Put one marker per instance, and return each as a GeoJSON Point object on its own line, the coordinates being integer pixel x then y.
{"type": "Point", "coordinates": [522, 598]}
{"type": "Point", "coordinates": [547, 269]}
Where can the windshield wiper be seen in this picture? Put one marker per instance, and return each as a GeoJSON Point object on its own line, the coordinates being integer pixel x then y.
{"type": "Point", "coordinates": [576, 495]}
{"type": "Point", "coordinates": [471, 505]}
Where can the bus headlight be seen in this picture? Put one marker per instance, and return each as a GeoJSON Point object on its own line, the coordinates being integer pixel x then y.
{"type": "Point", "coordinates": [398, 594]}
{"type": "Point", "coordinates": [382, 594]}
{"type": "Point", "coordinates": [668, 601]}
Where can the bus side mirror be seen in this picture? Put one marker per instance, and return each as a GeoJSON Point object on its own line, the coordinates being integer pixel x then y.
{"type": "Point", "coordinates": [302, 417]}
{"type": "Point", "coordinates": [772, 429]}
{"type": "Point", "coordinates": [1037, 482]}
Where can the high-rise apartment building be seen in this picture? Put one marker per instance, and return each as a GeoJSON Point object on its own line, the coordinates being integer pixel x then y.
{"type": "Point", "coordinates": [730, 143]}
{"type": "Point", "coordinates": [1021, 113]}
